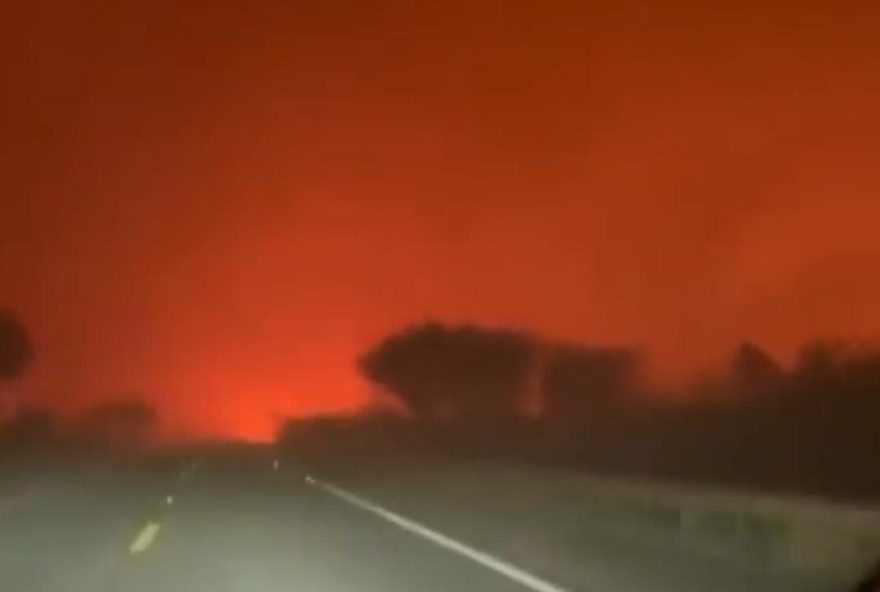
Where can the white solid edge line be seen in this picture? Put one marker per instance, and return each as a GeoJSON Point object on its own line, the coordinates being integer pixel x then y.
{"type": "Point", "coordinates": [497, 565]}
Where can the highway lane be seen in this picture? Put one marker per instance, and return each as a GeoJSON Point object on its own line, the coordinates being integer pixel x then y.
{"type": "Point", "coordinates": [259, 532]}
{"type": "Point", "coordinates": [226, 530]}
{"type": "Point", "coordinates": [231, 529]}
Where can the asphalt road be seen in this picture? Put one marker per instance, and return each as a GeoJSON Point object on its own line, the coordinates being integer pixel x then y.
{"type": "Point", "coordinates": [224, 531]}
{"type": "Point", "coordinates": [252, 529]}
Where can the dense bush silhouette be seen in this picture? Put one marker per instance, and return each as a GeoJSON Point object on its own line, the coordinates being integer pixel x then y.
{"type": "Point", "coordinates": [811, 428]}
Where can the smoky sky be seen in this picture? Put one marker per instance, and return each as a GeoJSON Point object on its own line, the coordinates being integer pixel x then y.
{"type": "Point", "coordinates": [222, 204]}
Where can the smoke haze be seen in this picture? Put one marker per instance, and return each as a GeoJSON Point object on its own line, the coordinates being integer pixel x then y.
{"type": "Point", "coordinates": [223, 205]}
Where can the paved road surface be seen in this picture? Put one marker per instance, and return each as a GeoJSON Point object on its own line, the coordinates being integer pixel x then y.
{"type": "Point", "coordinates": [234, 530]}
{"type": "Point", "coordinates": [225, 532]}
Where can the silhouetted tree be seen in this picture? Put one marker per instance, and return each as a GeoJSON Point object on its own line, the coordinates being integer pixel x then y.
{"type": "Point", "coordinates": [488, 370]}
{"type": "Point", "coordinates": [15, 346]}
{"type": "Point", "coordinates": [452, 372]}
{"type": "Point", "coordinates": [407, 365]}
{"type": "Point", "coordinates": [579, 382]}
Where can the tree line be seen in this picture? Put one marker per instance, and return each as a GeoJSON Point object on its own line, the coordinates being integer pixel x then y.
{"type": "Point", "coordinates": [469, 390]}
{"type": "Point", "coordinates": [468, 372]}
{"type": "Point", "coordinates": [476, 390]}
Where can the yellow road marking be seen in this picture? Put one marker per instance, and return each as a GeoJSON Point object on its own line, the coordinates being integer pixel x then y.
{"type": "Point", "coordinates": [145, 538]}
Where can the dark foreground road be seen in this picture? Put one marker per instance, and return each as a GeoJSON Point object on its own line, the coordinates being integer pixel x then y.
{"type": "Point", "coordinates": [257, 530]}
{"type": "Point", "coordinates": [225, 532]}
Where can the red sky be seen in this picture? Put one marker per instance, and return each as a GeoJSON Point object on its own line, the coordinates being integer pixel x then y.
{"type": "Point", "coordinates": [219, 204]}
